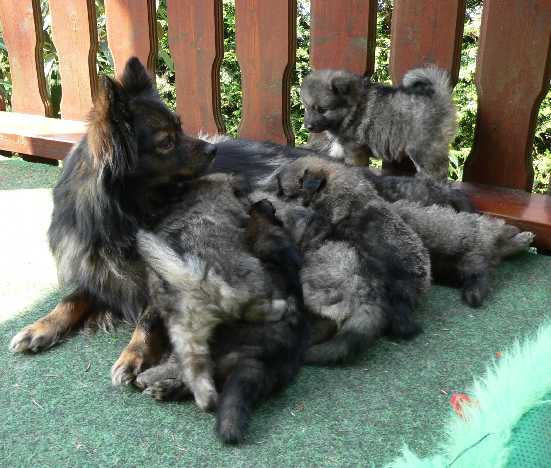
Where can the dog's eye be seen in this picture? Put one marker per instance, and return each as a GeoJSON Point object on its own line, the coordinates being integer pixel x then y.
{"type": "Point", "coordinates": [322, 110]}
{"type": "Point", "coordinates": [166, 144]}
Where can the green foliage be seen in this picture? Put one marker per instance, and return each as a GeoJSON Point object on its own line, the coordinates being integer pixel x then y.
{"type": "Point", "coordinates": [465, 95]}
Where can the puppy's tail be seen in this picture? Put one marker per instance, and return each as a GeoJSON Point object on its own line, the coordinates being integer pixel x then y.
{"type": "Point", "coordinates": [429, 80]}
{"type": "Point", "coordinates": [166, 262]}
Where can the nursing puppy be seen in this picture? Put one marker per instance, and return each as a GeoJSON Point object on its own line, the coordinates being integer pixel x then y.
{"type": "Point", "coordinates": [414, 120]}
{"type": "Point", "coordinates": [364, 268]}
{"type": "Point", "coordinates": [253, 357]}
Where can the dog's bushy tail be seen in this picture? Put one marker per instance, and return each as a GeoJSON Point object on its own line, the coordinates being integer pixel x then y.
{"type": "Point", "coordinates": [429, 79]}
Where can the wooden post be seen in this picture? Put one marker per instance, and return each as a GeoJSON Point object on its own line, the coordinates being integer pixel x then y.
{"type": "Point", "coordinates": [22, 31]}
{"type": "Point", "coordinates": [512, 76]}
{"type": "Point", "coordinates": [75, 37]}
{"type": "Point", "coordinates": [132, 31]}
{"type": "Point", "coordinates": [343, 35]}
{"type": "Point", "coordinates": [195, 36]}
{"type": "Point", "coordinates": [266, 45]}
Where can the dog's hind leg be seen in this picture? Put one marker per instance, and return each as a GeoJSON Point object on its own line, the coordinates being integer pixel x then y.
{"type": "Point", "coordinates": [358, 332]}
{"type": "Point", "coordinates": [69, 315]}
{"type": "Point", "coordinates": [146, 347]}
{"type": "Point", "coordinates": [244, 387]}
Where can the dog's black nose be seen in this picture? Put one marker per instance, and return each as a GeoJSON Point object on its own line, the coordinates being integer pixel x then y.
{"type": "Point", "coordinates": [209, 149]}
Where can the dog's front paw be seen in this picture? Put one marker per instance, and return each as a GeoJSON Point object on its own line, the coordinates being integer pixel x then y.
{"type": "Point", "coordinates": [129, 364]}
{"type": "Point", "coordinates": [36, 337]}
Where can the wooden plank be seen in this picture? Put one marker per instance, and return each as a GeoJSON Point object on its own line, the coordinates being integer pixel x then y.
{"type": "Point", "coordinates": [530, 212]}
{"type": "Point", "coordinates": [75, 37]}
{"type": "Point", "coordinates": [37, 135]}
{"type": "Point", "coordinates": [22, 32]}
{"type": "Point", "coordinates": [195, 36]}
{"type": "Point", "coordinates": [342, 35]}
{"type": "Point", "coordinates": [266, 43]}
{"type": "Point", "coordinates": [513, 73]}
{"type": "Point", "coordinates": [426, 32]}
{"type": "Point", "coordinates": [132, 31]}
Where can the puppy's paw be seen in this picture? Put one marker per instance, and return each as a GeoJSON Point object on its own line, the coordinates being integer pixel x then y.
{"type": "Point", "coordinates": [167, 370]}
{"type": "Point", "coordinates": [460, 201]}
{"type": "Point", "coordinates": [129, 364]}
{"type": "Point", "coordinates": [230, 428]}
{"type": "Point", "coordinates": [474, 295]}
{"type": "Point", "coordinates": [205, 394]}
{"type": "Point", "coordinates": [168, 390]}
{"type": "Point", "coordinates": [36, 337]}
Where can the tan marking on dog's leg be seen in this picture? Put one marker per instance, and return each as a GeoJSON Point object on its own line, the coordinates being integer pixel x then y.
{"type": "Point", "coordinates": [67, 316]}
{"type": "Point", "coordinates": [146, 347]}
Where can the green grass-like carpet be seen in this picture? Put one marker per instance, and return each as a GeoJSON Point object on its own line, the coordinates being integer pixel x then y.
{"type": "Point", "coordinates": [59, 408]}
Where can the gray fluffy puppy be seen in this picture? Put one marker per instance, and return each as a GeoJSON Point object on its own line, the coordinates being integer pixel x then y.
{"type": "Point", "coordinates": [364, 268]}
{"type": "Point", "coordinates": [355, 250]}
{"type": "Point", "coordinates": [414, 120]}
{"type": "Point", "coordinates": [201, 273]}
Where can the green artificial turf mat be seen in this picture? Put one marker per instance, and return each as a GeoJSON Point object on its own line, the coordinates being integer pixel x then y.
{"type": "Point", "coordinates": [59, 408]}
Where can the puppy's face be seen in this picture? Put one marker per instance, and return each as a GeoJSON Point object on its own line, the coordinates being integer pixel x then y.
{"type": "Point", "coordinates": [132, 133]}
{"type": "Point", "coordinates": [301, 182]}
{"type": "Point", "coordinates": [328, 97]}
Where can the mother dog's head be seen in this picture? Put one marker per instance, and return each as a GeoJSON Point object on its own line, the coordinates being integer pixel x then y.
{"type": "Point", "coordinates": [131, 133]}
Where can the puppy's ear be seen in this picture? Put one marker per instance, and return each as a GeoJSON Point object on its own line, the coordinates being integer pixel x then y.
{"type": "Point", "coordinates": [313, 183]}
{"type": "Point", "coordinates": [135, 78]}
{"type": "Point", "coordinates": [344, 84]}
{"type": "Point", "coordinates": [108, 124]}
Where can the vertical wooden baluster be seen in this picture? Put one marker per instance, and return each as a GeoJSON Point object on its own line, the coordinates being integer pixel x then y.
{"type": "Point", "coordinates": [75, 37]}
{"type": "Point", "coordinates": [512, 76]}
{"type": "Point", "coordinates": [195, 36]}
{"type": "Point", "coordinates": [266, 44]}
{"type": "Point", "coordinates": [343, 35]}
{"type": "Point", "coordinates": [22, 32]}
{"type": "Point", "coordinates": [424, 32]}
{"type": "Point", "coordinates": [132, 31]}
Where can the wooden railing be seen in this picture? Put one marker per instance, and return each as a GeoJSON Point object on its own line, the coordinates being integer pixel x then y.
{"type": "Point", "coordinates": [513, 72]}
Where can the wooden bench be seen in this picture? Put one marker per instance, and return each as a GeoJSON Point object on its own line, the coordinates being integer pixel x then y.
{"type": "Point", "coordinates": [513, 73]}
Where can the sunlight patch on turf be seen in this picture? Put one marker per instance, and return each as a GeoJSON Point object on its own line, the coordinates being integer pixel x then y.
{"type": "Point", "coordinates": [27, 269]}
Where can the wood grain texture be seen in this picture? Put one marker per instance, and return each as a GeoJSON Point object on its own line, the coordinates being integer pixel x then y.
{"type": "Point", "coordinates": [531, 212]}
{"type": "Point", "coordinates": [74, 33]}
{"type": "Point", "coordinates": [512, 76]}
{"type": "Point", "coordinates": [426, 32]}
{"type": "Point", "coordinates": [37, 135]}
{"type": "Point", "coordinates": [266, 44]}
{"type": "Point", "coordinates": [22, 32]}
{"type": "Point", "coordinates": [195, 36]}
{"type": "Point", "coordinates": [132, 31]}
{"type": "Point", "coordinates": [343, 35]}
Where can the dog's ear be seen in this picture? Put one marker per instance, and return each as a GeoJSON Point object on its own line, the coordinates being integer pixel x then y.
{"type": "Point", "coordinates": [135, 78]}
{"type": "Point", "coordinates": [108, 124]}
{"type": "Point", "coordinates": [313, 182]}
{"type": "Point", "coordinates": [344, 84]}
